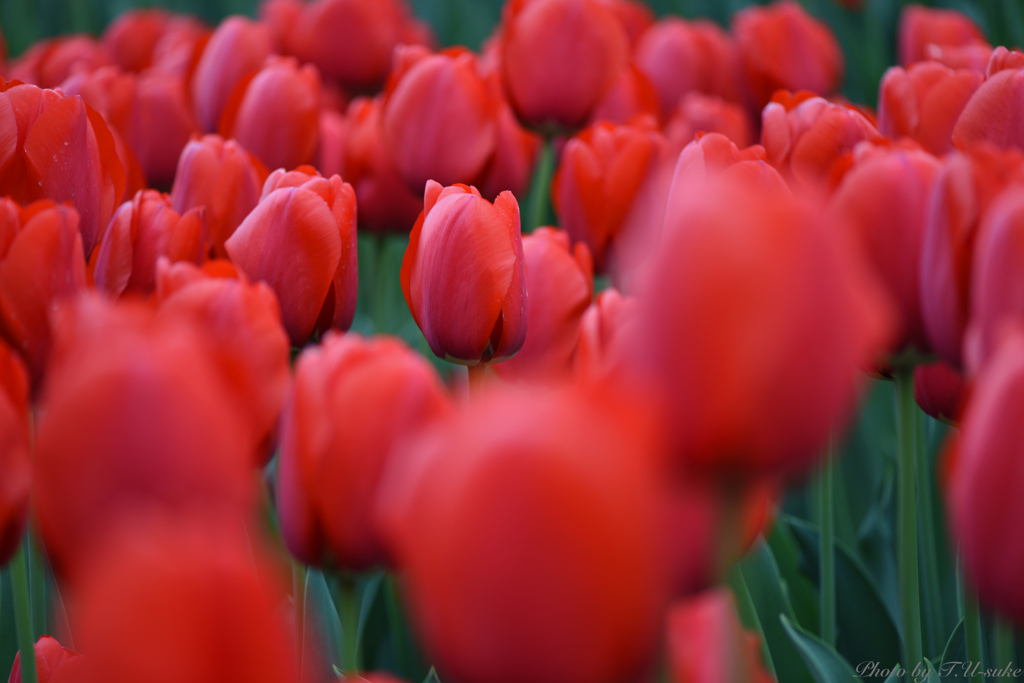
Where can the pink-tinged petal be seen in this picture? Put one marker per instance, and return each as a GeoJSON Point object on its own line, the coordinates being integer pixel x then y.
{"type": "Point", "coordinates": [514, 309]}
{"type": "Point", "coordinates": [237, 48]}
{"type": "Point", "coordinates": [992, 114]}
{"type": "Point", "coordinates": [114, 261]}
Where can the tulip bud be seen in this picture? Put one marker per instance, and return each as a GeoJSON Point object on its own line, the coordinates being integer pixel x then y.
{"type": "Point", "coordinates": [515, 153]}
{"type": "Point", "coordinates": [463, 275]}
{"type": "Point", "coordinates": [989, 115]}
{"type": "Point", "coordinates": [602, 326]}
{"type": "Point", "coordinates": [132, 37]}
{"type": "Point", "coordinates": [697, 114]}
{"type": "Point", "coordinates": [54, 663]}
{"type": "Point", "coordinates": [15, 465]}
{"type": "Point", "coordinates": [48, 63]}
{"type": "Point", "coordinates": [921, 27]}
{"type": "Point", "coordinates": [939, 390]}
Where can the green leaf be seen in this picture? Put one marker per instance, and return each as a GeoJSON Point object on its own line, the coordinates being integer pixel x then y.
{"type": "Point", "coordinates": [825, 664]}
{"type": "Point", "coordinates": [432, 677]}
{"type": "Point", "coordinates": [321, 629]}
{"type": "Point", "coordinates": [954, 656]}
{"type": "Point", "coordinates": [371, 587]}
{"type": "Point", "coordinates": [803, 593]}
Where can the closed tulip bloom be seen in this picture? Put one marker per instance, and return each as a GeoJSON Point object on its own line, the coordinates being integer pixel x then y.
{"type": "Point", "coordinates": [634, 15]}
{"type": "Point", "coordinates": [968, 184]}
{"type": "Point", "coordinates": [939, 389]}
{"type": "Point", "coordinates": [921, 27]}
{"type": "Point", "coordinates": [359, 397]}
{"type": "Point", "coordinates": [137, 421]}
{"type": "Point", "coordinates": [630, 97]}
{"type": "Point", "coordinates": [882, 205]}
{"type": "Point", "coordinates": [236, 50]}
{"type": "Point", "coordinates": [275, 115]}
{"type": "Point", "coordinates": [527, 530]}
{"type": "Point", "coordinates": [971, 57]}
{"type": "Point", "coordinates": [559, 57]}
{"type": "Point", "coordinates": [48, 63]}
{"type": "Point", "coordinates": [989, 115]}
{"type": "Point", "coordinates": [515, 154]}
{"type": "Point", "coordinates": [559, 279]}
{"type": "Point", "coordinates": [464, 276]}
{"type": "Point", "coordinates": [1003, 59]}
{"type": "Point", "coordinates": [213, 614]}
{"type": "Point", "coordinates": [15, 480]}
{"type": "Point", "coordinates": [602, 326]}
{"type": "Point", "coordinates": [134, 38]}
{"type": "Point", "coordinates": [222, 177]}
{"type": "Point", "coordinates": [784, 48]}
{"type": "Point", "coordinates": [301, 241]}
{"type": "Point", "coordinates": [699, 113]}
{"type": "Point", "coordinates": [57, 147]}
{"type": "Point", "coordinates": [54, 663]}
{"type": "Point", "coordinates": [141, 232]}
{"type": "Point", "coordinates": [41, 267]}
{"type": "Point", "coordinates": [923, 102]}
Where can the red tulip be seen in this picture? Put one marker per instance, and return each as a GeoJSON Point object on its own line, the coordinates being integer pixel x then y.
{"type": "Point", "coordinates": [680, 57]}
{"type": "Point", "coordinates": [713, 156]}
{"type": "Point", "coordinates": [275, 114]}
{"type": "Point", "coordinates": [924, 102]}
{"type": "Point", "coordinates": [755, 348]}
{"type": "Point", "coordinates": [939, 390]}
{"type": "Point", "coordinates": [353, 400]}
{"type": "Point", "coordinates": [141, 232]}
{"type": "Point", "coordinates": [634, 15]}
{"type": "Point", "coordinates": [699, 113]}
{"type": "Point", "coordinates": [1003, 59]}
{"type": "Point", "coordinates": [137, 421]}
{"type": "Point", "coordinates": [924, 26]}
{"type": "Point", "coordinates": [784, 48]}
{"type": "Point", "coordinates": [965, 189]}
{"type": "Point", "coordinates": [527, 529]}
{"type": "Point", "coordinates": [14, 451]}
{"type": "Point", "coordinates": [971, 57]}
{"type": "Point", "coordinates": [222, 177]}
{"type": "Point", "coordinates": [990, 114]}
{"type": "Point", "coordinates": [301, 240]}
{"type": "Point", "coordinates": [56, 147]}
{"type": "Point", "coordinates": [707, 643]}
{"type": "Point", "coordinates": [195, 601]}
{"type": "Point", "coordinates": [41, 266]}
{"type": "Point", "coordinates": [559, 280]}
{"type": "Point", "coordinates": [631, 96]}
{"type": "Point", "coordinates": [140, 38]}
{"type": "Point", "coordinates": [515, 154]}
{"type": "Point", "coordinates": [48, 63]}
{"type": "Point", "coordinates": [601, 328]}
{"type": "Point", "coordinates": [237, 49]}
{"type": "Point", "coordinates": [350, 41]}
{"type": "Point", "coordinates": [464, 277]}
{"type": "Point", "coordinates": [54, 663]}
{"type": "Point", "coordinates": [559, 58]}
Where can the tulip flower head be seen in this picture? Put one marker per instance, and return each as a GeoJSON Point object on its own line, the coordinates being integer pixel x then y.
{"type": "Point", "coordinates": [14, 451]}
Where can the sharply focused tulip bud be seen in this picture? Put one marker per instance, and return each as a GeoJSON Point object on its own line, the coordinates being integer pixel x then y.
{"type": "Point", "coordinates": [921, 27]}
{"type": "Point", "coordinates": [58, 148]}
{"type": "Point", "coordinates": [49, 62]}
{"type": "Point", "coordinates": [196, 600]}
{"type": "Point", "coordinates": [924, 102]}
{"type": "Point", "coordinates": [351, 41]}
{"type": "Point", "coordinates": [601, 327]}
{"type": "Point", "coordinates": [222, 177]}
{"type": "Point", "coordinates": [141, 232]}
{"type": "Point", "coordinates": [559, 280]}
{"type": "Point", "coordinates": [984, 473]}
{"type": "Point", "coordinates": [528, 531]}
{"type": "Point", "coordinates": [137, 421]}
{"type": "Point", "coordinates": [301, 240]}
{"type": "Point", "coordinates": [754, 321]}
{"type": "Point", "coordinates": [14, 451]}
{"type": "Point", "coordinates": [438, 117]}
{"type": "Point", "coordinates": [784, 48]}
{"type": "Point", "coordinates": [464, 277]}
{"type": "Point", "coordinates": [707, 643]}
{"type": "Point", "coordinates": [361, 397]}
{"type": "Point", "coordinates": [882, 204]}
{"type": "Point", "coordinates": [54, 663]}
{"type": "Point", "coordinates": [699, 113]}
{"type": "Point", "coordinates": [966, 187]}
{"type": "Point", "coordinates": [990, 115]}
{"type": "Point", "coordinates": [41, 267]}
{"type": "Point", "coordinates": [939, 390]}
{"type": "Point", "coordinates": [275, 115]}
{"type": "Point", "coordinates": [236, 50]}
{"type": "Point", "coordinates": [559, 58]}
{"type": "Point", "coordinates": [679, 57]}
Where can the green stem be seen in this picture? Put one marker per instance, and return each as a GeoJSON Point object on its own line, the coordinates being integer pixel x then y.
{"type": "Point", "coordinates": [380, 285]}
{"type": "Point", "coordinates": [972, 630]}
{"type": "Point", "coordinates": [37, 584]}
{"type": "Point", "coordinates": [299, 600]}
{"type": "Point", "coordinates": [348, 612]}
{"type": "Point", "coordinates": [930, 560]}
{"type": "Point", "coordinates": [540, 188]}
{"type": "Point", "coordinates": [23, 615]}
{"type": "Point", "coordinates": [399, 638]}
{"type": "Point", "coordinates": [827, 557]}
{"type": "Point", "coordinates": [1003, 648]}
{"type": "Point", "coordinates": [909, 583]}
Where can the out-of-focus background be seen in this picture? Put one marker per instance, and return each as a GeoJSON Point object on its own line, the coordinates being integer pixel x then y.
{"type": "Point", "coordinates": [867, 34]}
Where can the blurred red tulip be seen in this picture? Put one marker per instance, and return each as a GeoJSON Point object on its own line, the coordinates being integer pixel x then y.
{"type": "Point", "coordinates": [140, 38]}
{"type": "Point", "coordinates": [438, 117]}
{"type": "Point", "coordinates": [57, 147]}
{"type": "Point", "coordinates": [966, 187]}
{"type": "Point", "coordinates": [753, 322]}
{"type": "Point", "coordinates": [301, 240]}
{"type": "Point", "coordinates": [699, 113]}
{"type": "Point", "coordinates": [923, 102]}
{"type": "Point", "coordinates": [464, 275]}
{"type": "Point", "coordinates": [971, 57]}
{"type": "Point", "coordinates": [137, 421]}
{"type": "Point", "coordinates": [41, 267]}
{"type": "Point", "coordinates": [353, 400]}
{"type": "Point", "coordinates": [280, 16]}
{"type": "Point", "coordinates": [54, 663]}
{"type": "Point", "coordinates": [990, 115]}
{"type": "Point", "coordinates": [15, 464]}
{"type": "Point", "coordinates": [882, 204]}
{"type": "Point", "coordinates": [515, 154]}
{"type": "Point", "coordinates": [922, 26]}
{"type": "Point", "coordinates": [141, 232]}
{"type": "Point", "coordinates": [1003, 59]}
{"type": "Point", "coordinates": [559, 280]}
{"type": "Point", "coordinates": [939, 390]}
{"type": "Point", "coordinates": [634, 15]}
{"type": "Point", "coordinates": [630, 97]}
{"type": "Point", "coordinates": [559, 58]}
{"type": "Point", "coordinates": [713, 156]}
{"type": "Point", "coordinates": [707, 643]}
{"type": "Point", "coordinates": [275, 114]}
{"type": "Point", "coordinates": [195, 601]}
{"type": "Point", "coordinates": [222, 177]}
{"type": "Point", "coordinates": [784, 48]}
{"type": "Point", "coordinates": [680, 57]}
{"type": "Point", "coordinates": [528, 531]}
{"type": "Point", "coordinates": [48, 63]}
{"type": "Point", "coordinates": [601, 328]}
{"type": "Point", "coordinates": [351, 41]}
